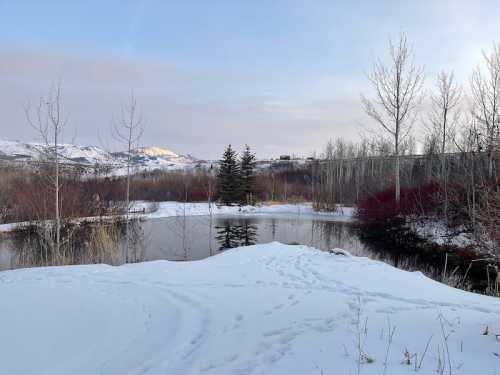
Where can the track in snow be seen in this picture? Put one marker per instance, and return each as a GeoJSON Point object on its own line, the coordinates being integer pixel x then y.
{"type": "Point", "coordinates": [265, 309]}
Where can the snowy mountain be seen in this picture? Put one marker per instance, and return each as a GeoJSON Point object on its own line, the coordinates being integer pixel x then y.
{"type": "Point", "coordinates": [155, 151]}
{"type": "Point", "coordinates": [114, 163]}
{"type": "Point", "coordinates": [143, 158]}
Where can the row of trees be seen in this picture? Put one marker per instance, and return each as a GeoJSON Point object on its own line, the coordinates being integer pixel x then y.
{"type": "Point", "coordinates": [461, 146]}
{"type": "Point", "coordinates": [236, 177]}
{"type": "Point", "coordinates": [474, 116]}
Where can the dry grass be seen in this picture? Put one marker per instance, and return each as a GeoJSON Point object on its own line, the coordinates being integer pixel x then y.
{"type": "Point", "coordinates": [82, 243]}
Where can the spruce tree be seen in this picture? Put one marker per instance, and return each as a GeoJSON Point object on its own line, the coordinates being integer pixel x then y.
{"type": "Point", "coordinates": [229, 178]}
{"type": "Point", "coordinates": [247, 176]}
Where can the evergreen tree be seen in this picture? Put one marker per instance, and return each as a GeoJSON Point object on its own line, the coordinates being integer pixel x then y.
{"type": "Point", "coordinates": [247, 176]}
{"type": "Point", "coordinates": [229, 178]}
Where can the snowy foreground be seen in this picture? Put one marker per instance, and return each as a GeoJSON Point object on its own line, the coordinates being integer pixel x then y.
{"type": "Point", "coordinates": [264, 309]}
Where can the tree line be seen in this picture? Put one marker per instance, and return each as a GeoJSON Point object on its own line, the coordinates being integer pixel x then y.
{"type": "Point", "coordinates": [459, 137]}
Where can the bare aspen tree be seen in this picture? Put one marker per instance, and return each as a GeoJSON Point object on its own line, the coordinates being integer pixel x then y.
{"type": "Point", "coordinates": [468, 144]}
{"type": "Point", "coordinates": [48, 121]}
{"type": "Point", "coordinates": [128, 130]}
{"type": "Point", "coordinates": [445, 110]}
{"type": "Point", "coordinates": [444, 116]}
{"type": "Point", "coordinates": [209, 187]}
{"type": "Point", "coordinates": [485, 87]}
{"type": "Point", "coordinates": [185, 186]}
{"type": "Point", "coordinates": [398, 93]}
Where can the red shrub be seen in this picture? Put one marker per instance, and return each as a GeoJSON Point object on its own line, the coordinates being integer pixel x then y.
{"type": "Point", "coordinates": [197, 194]}
{"type": "Point", "coordinates": [382, 208]}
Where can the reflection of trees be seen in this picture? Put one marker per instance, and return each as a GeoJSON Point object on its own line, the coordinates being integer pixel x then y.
{"type": "Point", "coordinates": [136, 238]}
{"type": "Point", "coordinates": [248, 234]}
{"type": "Point", "coordinates": [274, 227]}
{"type": "Point", "coordinates": [329, 234]}
{"type": "Point", "coordinates": [86, 242]}
{"type": "Point", "coordinates": [227, 235]}
{"type": "Point", "coordinates": [233, 234]}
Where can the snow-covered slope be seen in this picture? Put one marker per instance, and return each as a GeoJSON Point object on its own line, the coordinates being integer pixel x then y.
{"type": "Point", "coordinates": [144, 158]}
{"type": "Point", "coordinates": [155, 151]}
{"type": "Point", "coordinates": [265, 309]}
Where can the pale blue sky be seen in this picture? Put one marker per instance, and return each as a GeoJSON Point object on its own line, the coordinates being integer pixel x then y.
{"type": "Point", "coordinates": [280, 75]}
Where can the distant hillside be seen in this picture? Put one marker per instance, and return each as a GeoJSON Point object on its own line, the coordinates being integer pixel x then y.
{"type": "Point", "coordinates": [143, 158]}
{"type": "Point", "coordinates": [114, 163]}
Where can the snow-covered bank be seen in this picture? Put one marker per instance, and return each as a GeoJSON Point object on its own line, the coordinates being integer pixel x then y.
{"type": "Point", "coordinates": [264, 309]}
{"type": "Point", "coordinates": [154, 210]}
{"type": "Point", "coordinates": [168, 209]}
{"type": "Point", "coordinates": [436, 231]}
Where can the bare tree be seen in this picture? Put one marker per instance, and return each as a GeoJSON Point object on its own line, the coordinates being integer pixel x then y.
{"type": "Point", "coordinates": [209, 186]}
{"type": "Point", "coordinates": [486, 102]}
{"type": "Point", "coordinates": [444, 117]}
{"type": "Point", "coordinates": [128, 130]}
{"type": "Point", "coordinates": [445, 110]}
{"type": "Point", "coordinates": [48, 121]}
{"type": "Point", "coordinates": [398, 93]}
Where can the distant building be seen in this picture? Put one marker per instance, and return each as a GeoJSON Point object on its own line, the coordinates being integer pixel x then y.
{"type": "Point", "coordinates": [284, 157]}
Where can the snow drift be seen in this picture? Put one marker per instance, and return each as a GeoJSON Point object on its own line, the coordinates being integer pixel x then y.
{"type": "Point", "coordinates": [265, 309]}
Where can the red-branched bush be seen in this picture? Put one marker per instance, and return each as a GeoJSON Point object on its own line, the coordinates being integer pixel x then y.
{"type": "Point", "coordinates": [382, 208]}
{"type": "Point", "coordinates": [33, 197]}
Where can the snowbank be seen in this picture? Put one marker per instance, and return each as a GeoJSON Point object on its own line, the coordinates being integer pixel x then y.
{"type": "Point", "coordinates": [9, 227]}
{"type": "Point", "coordinates": [265, 309]}
{"type": "Point", "coordinates": [167, 209]}
{"type": "Point", "coordinates": [436, 231]}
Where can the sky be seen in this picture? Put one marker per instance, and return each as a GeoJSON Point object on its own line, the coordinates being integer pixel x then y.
{"type": "Point", "coordinates": [281, 76]}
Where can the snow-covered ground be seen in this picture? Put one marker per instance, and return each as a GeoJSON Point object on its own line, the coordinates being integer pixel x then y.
{"type": "Point", "coordinates": [264, 309]}
{"type": "Point", "coordinates": [436, 231]}
{"type": "Point", "coordinates": [168, 209]}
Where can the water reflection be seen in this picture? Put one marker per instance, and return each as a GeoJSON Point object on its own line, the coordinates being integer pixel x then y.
{"type": "Point", "coordinates": [233, 233]}
{"type": "Point", "coordinates": [189, 238]}
{"type": "Point", "coordinates": [86, 242]}
{"type": "Point", "coordinates": [193, 238]}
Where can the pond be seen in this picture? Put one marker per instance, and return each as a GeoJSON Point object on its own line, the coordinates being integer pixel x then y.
{"type": "Point", "coordinates": [198, 237]}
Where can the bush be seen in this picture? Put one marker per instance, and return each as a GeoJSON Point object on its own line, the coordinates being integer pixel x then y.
{"type": "Point", "coordinates": [381, 209]}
